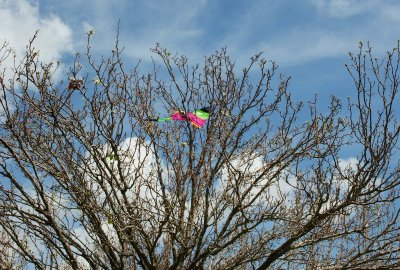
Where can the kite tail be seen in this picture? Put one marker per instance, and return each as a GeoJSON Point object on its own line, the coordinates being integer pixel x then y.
{"type": "Point", "coordinates": [158, 119]}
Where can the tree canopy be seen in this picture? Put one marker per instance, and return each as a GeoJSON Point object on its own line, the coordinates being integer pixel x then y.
{"type": "Point", "coordinates": [87, 182]}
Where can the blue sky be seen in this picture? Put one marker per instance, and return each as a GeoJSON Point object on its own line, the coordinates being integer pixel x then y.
{"type": "Point", "coordinates": [309, 39]}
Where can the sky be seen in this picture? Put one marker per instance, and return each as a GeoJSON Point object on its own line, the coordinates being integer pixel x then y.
{"type": "Point", "coordinates": [308, 39]}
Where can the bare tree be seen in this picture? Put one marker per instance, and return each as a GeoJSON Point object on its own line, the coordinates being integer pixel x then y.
{"type": "Point", "coordinates": [88, 183]}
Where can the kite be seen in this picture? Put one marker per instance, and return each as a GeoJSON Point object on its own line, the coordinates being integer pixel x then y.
{"type": "Point", "coordinates": [74, 84]}
{"type": "Point", "coordinates": [198, 118]}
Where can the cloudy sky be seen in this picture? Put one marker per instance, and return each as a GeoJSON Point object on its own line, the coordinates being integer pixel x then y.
{"type": "Point", "coordinates": [309, 39]}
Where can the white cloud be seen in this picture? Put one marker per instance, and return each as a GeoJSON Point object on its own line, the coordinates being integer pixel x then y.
{"type": "Point", "coordinates": [391, 12]}
{"type": "Point", "coordinates": [277, 185]}
{"type": "Point", "coordinates": [340, 185]}
{"type": "Point", "coordinates": [348, 163]}
{"type": "Point", "coordinates": [332, 29]}
{"type": "Point", "coordinates": [19, 21]}
{"type": "Point", "coordinates": [344, 8]}
{"type": "Point", "coordinates": [111, 233]}
{"type": "Point", "coordinates": [174, 27]}
{"type": "Point", "coordinates": [303, 45]}
{"type": "Point", "coordinates": [137, 162]}
{"type": "Point", "coordinates": [141, 171]}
